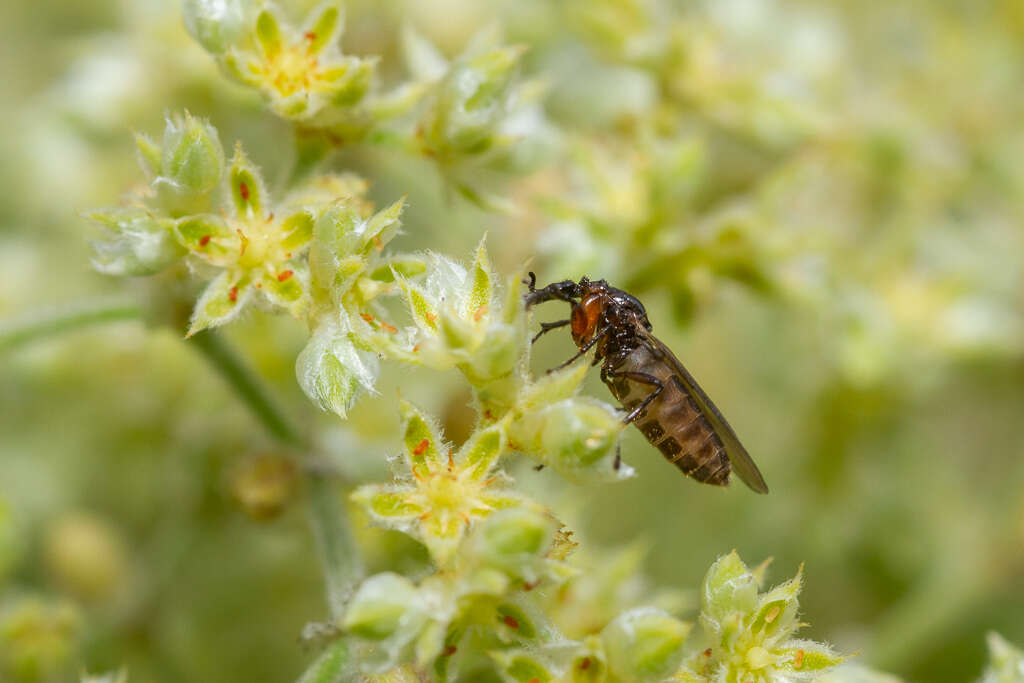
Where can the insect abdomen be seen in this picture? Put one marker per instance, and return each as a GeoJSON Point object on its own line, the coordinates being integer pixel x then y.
{"type": "Point", "coordinates": [672, 422]}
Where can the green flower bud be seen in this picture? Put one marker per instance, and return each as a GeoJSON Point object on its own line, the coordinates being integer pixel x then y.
{"type": "Point", "coordinates": [37, 639]}
{"type": "Point", "coordinates": [645, 644]}
{"type": "Point", "coordinates": [383, 604]}
{"type": "Point", "coordinates": [470, 103]}
{"type": "Point", "coordinates": [264, 486]}
{"type": "Point", "coordinates": [86, 556]}
{"type": "Point", "coordinates": [728, 587]}
{"type": "Point", "coordinates": [137, 243]}
{"type": "Point", "coordinates": [214, 24]}
{"type": "Point", "coordinates": [499, 353]}
{"type": "Point", "coordinates": [514, 539]}
{"type": "Point", "coordinates": [193, 159]}
{"type": "Point", "coordinates": [576, 436]}
{"type": "Point", "coordinates": [331, 370]}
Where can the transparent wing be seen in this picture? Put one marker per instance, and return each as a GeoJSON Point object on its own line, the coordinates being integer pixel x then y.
{"type": "Point", "coordinates": [740, 460]}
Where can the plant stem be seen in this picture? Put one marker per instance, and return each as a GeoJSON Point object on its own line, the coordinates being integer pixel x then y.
{"type": "Point", "coordinates": [247, 386]}
{"type": "Point", "coordinates": [338, 551]}
{"type": "Point", "coordinates": [25, 330]}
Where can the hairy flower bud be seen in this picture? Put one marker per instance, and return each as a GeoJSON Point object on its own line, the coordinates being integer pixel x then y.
{"type": "Point", "coordinates": [214, 24]}
{"type": "Point", "coordinates": [514, 540]}
{"type": "Point", "coordinates": [382, 605]}
{"type": "Point", "coordinates": [192, 160]}
{"type": "Point", "coordinates": [645, 644]}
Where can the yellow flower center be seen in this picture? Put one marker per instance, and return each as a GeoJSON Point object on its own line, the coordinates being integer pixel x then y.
{"type": "Point", "coordinates": [451, 496]}
{"type": "Point", "coordinates": [259, 243]}
{"type": "Point", "coordinates": [291, 70]}
{"type": "Point", "coordinates": [759, 658]}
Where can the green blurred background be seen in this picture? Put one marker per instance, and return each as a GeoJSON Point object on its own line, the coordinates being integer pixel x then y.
{"type": "Point", "coordinates": [843, 271]}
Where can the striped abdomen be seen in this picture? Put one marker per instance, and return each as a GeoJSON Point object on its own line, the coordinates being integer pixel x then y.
{"type": "Point", "coordinates": [672, 422]}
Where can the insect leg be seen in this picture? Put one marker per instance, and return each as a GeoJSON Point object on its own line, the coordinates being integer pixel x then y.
{"type": "Point", "coordinates": [547, 327]}
{"type": "Point", "coordinates": [643, 378]}
{"type": "Point", "coordinates": [583, 349]}
{"type": "Point", "coordinates": [618, 457]}
{"type": "Point", "coordinates": [567, 291]}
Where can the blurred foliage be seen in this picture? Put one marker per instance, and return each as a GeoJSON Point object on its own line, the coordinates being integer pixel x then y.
{"type": "Point", "coordinates": [821, 204]}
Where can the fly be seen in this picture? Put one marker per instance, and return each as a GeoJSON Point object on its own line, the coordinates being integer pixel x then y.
{"type": "Point", "coordinates": [659, 395]}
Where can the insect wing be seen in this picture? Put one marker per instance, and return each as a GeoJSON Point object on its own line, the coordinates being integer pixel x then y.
{"type": "Point", "coordinates": [740, 460]}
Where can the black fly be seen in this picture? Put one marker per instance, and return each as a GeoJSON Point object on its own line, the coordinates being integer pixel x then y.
{"type": "Point", "coordinates": [660, 396]}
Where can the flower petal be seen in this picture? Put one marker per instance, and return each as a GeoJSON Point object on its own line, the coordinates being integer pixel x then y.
{"type": "Point", "coordinates": [479, 454]}
{"type": "Point", "coordinates": [323, 27]}
{"type": "Point", "coordinates": [387, 502]}
{"type": "Point", "coordinates": [298, 231]}
{"type": "Point", "coordinates": [288, 288]}
{"type": "Point", "coordinates": [221, 301]}
{"type": "Point", "coordinates": [268, 33]}
{"type": "Point", "coordinates": [247, 189]}
{"type": "Point", "coordinates": [208, 237]}
{"type": "Point", "coordinates": [422, 439]}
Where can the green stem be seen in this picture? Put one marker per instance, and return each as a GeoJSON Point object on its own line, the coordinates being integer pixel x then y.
{"type": "Point", "coordinates": [247, 386]}
{"type": "Point", "coordinates": [23, 331]}
{"type": "Point", "coordinates": [338, 551]}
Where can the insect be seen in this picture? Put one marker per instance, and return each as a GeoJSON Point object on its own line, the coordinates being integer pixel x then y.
{"type": "Point", "coordinates": [660, 396]}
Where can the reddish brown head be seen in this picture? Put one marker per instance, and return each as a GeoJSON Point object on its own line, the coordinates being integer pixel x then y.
{"type": "Point", "coordinates": [588, 312]}
{"type": "Point", "coordinates": [595, 305]}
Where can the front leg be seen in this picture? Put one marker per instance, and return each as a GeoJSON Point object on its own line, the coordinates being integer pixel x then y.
{"type": "Point", "coordinates": [547, 327]}
{"type": "Point", "coordinates": [583, 349]}
{"type": "Point", "coordinates": [641, 377]}
{"type": "Point", "coordinates": [566, 290]}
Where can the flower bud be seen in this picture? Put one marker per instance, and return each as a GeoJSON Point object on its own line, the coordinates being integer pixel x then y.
{"type": "Point", "coordinates": [36, 639]}
{"type": "Point", "coordinates": [383, 605]}
{"type": "Point", "coordinates": [728, 587]}
{"type": "Point", "coordinates": [263, 486]}
{"type": "Point", "coordinates": [331, 370]}
{"type": "Point", "coordinates": [513, 539]}
{"type": "Point", "coordinates": [193, 159]}
{"type": "Point", "coordinates": [137, 243]}
{"type": "Point", "coordinates": [499, 353]}
{"type": "Point", "coordinates": [573, 435]}
{"type": "Point", "coordinates": [645, 644]}
{"type": "Point", "coordinates": [470, 103]}
{"type": "Point", "coordinates": [86, 556]}
{"type": "Point", "coordinates": [214, 24]}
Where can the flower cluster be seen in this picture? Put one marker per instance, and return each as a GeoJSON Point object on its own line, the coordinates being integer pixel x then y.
{"type": "Point", "coordinates": [443, 492]}
{"type": "Point", "coordinates": [750, 633]}
{"type": "Point", "coordinates": [647, 202]}
{"type": "Point", "coordinates": [219, 219]}
{"type": "Point", "coordinates": [299, 70]}
{"type": "Point", "coordinates": [483, 601]}
{"type": "Point", "coordinates": [470, 114]}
